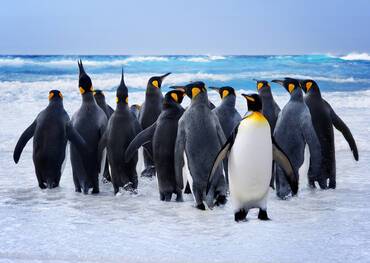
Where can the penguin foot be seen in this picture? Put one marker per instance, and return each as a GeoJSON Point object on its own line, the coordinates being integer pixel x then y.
{"type": "Point", "coordinates": [262, 215]}
{"type": "Point", "coordinates": [105, 180]}
{"type": "Point", "coordinates": [42, 185]}
{"type": "Point", "coordinates": [201, 207]}
{"type": "Point", "coordinates": [148, 172]}
{"type": "Point", "coordinates": [179, 197]}
{"type": "Point", "coordinates": [78, 190]}
{"type": "Point", "coordinates": [221, 200]}
{"type": "Point", "coordinates": [95, 191]}
{"type": "Point", "coordinates": [323, 184]}
{"type": "Point", "coordinates": [241, 215]}
{"type": "Point", "coordinates": [332, 184]}
{"type": "Point", "coordinates": [129, 187]}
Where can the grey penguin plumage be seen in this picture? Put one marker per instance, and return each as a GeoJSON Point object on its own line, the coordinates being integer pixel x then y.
{"type": "Point", "coordinates": [323, 119]}
{"type": "Point", "coordinates": [227, 114]}
{"type": "Point", "coordinates": [122, 128]}
{"type": "Point", "coordinates": [251, 149]}
{"type": "Point", "coordinates": [100, 100]}
{"type": "Point", "coordinates": [293, 130]}
{"type": "Point", "coordinates": [149, 112]}
{"type": "Point", "coordinates": [51, 130]}
{"type": "Point", "coordinates": [90, 121]}
{"type": "Point", "coordinates": [135, 110]}
{"type": "Point", "coordinates": [271, 110]}
{"type": "Point", "coordinates": [163, 136]}
{"type": "Point", "coordinates": [200, 137]}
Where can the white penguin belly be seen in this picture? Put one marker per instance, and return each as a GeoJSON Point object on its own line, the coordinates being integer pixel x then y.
{"type": "Point", "coordinates": [250, 164]}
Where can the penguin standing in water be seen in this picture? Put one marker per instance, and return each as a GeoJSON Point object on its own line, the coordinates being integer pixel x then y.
{"type": "Point", "coordinates": [51, 131]}
{"type": "Point", "coordinates": [271, 110]}
{"type": "Point", "coordinates": [100, 100]}
{"type": "Point", "coordinates": [163, 136]}
{"type": "Point", "coordinates": [251, 149]}
{"type": "Point", "coordinates": [293, 131]}
{"type": "Point", "coordinates": [90, 121]}
{"type": "Point", "coordinates": [323, 118]}
{"type": "Point", "coordinates": [200, 136]}
{"type": "Point", "coordinates": [149, 113]}
{"type": "Point", "coordinates": [122, 129]}
{"type": "Point", "coordinates": [227, 114]}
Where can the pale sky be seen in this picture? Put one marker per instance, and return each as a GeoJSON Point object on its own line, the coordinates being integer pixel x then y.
{"type": "Point", "coordinates": [184, 27]}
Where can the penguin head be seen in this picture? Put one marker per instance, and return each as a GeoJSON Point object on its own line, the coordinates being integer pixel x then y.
{"type": "Point", "coordinates": [290, 84]}
{"type": "Point", "coordinates": [193, 89]}
{"type": "Point", "coordinates": [224, 91]}
{"type": "Point", "coordinates": [262, 85]}
{"type": "Point", "coordinates": [99, 95]}
{"type": "Point", "coordinates": [122, 91]}
{"type": "Point", "coordinates": [156, 82]}
{"type": "Point", "coordinates": [253, 101]}
{"type": "Point", "coordinates": [55, 95]}
{"type": "Point", "coordinates": [309, 85]}
{"type": "Point", "coordinates": [174, 96]}
{"type": "Point", "coordinates": [84, 81]}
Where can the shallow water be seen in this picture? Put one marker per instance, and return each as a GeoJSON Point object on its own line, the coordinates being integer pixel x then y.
{"type": "Point", "coordinates": [60, 225]}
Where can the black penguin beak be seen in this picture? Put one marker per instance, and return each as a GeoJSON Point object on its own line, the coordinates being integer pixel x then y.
{"type": "Point", "coordinates": [181, 88]}
{"type": "Point", "coordinates": [81, 68]}
{"type": "Point", "coordinates": [302, 85]}
{"type": "Point", "coordinates": [164, 76]}
{"type": "Point", "coordinates": [278, 81]}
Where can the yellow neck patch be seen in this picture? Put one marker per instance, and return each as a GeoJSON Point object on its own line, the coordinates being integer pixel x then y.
{"type": "Point", "coordinates": [126, 100]}
{"type": "Point", "coordinates": [82, 91]}
{"type": "Point", "coordinates": [259, 85]}
{"type": "Point", "coordinates": [224, 93]}
{"type": "Point", "coordinates": [60, 95]}
{"type": "Point", "coordinates": [117, 99]}
{"type": "Point", "coordinates": [256, 117]}
{"type": "Point", "coordinates": [308, 85]}
{"type": "Point", "coordinates": [194, 92]}
{"type": "Point", "coordinates": [291, 87]}
{"type": "Point", "coordinates": [51, 95]}
{"type": "Point", "coordinates": [174, 97]}
{"type": "Point", "coordinates": [155, 83]}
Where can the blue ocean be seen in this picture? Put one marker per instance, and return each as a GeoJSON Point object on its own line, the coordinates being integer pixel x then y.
{"type": "Point", "coordinates": [59, 225]}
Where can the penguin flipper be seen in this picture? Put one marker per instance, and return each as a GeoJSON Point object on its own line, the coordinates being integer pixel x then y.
{"type": "Point", "coordinates": [309, 134]}
{"type": "Point", "coordinates": [282, 159]}
{"type": "Point", "coordinates": [101, 146]}
{"type": "Point", "coordinates": [222, 154]}
{"type": "Point", "coordinates": [76, 139]}
{"type": "Point", "coordinates": [343, 128]}
{"type": "Point", "coordinates": [25, 137]}
{"type": "Point", "coordinates": [179, 154]}
{"type": "Point", "coordinates": [142, 139]}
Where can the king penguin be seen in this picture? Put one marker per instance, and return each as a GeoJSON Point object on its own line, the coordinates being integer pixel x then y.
{"type": "Point", "coordinates": [271, 110]}
{"type": "Point", "coordinates": [251, 150]}
{"type": "Point", "coordinates": [122, 129]}
{"type": "Point", "coordinates": [51, 131]}
{"type": "Point", "coordinates": [323, 118]}
{"type": "Point", "coordinates": [163, 136]}
{"type": "Point", "coordinates": [90, 121]}
{"type": "Point", "coordinates": [227, 114]}
{"type": "Point", "coordinates": [149, 112]}
{"type": "Point", "coordinates": [100, 100]}
{"type": "Point", "coordinates": [200, 136]}
{"type": "Point", "coordinates": [293, 131]}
